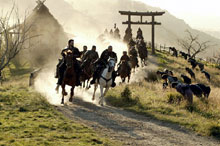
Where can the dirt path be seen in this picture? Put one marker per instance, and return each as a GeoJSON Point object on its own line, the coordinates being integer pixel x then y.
{"type": "Point", "coordinates": [131, 128]}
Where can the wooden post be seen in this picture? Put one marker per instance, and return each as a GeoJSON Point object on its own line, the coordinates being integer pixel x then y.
{"type": "Point", "coordinates": [153, 46]}
{"type": "Point", "coordinates": [129, 21]}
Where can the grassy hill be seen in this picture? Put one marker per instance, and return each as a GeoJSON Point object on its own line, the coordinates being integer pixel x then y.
{"type": "Point", "coordinates": [26, 118]}
{"type": "Point", "coordinates": [148, 98]}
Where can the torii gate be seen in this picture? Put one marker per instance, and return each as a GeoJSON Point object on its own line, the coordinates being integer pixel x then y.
{"type": "Point", "coordinates": [141, 22]}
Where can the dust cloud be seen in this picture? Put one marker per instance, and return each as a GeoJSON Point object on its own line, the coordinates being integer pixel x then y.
{"type": "Point", "coordinates": [83, 21]}
{"type": "Point", "coordinates": [45, 82]}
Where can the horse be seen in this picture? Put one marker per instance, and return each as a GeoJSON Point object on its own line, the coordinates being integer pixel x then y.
{"type": "Point", "coordinates": [87, 74]}
{"type": "Point", "coordinates": [134, 62]}
{"type": "Point", "coordinates": [143, 53]}
{"type": "Point", "coordinates": [105, 80]}
{"type": "Point", "coordinates": [69, 76]}
{"type": "Point", "coordinates": [124, 71]}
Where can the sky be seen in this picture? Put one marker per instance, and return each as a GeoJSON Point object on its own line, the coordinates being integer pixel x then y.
{"type": "Point", "coordinates": [199, 14]}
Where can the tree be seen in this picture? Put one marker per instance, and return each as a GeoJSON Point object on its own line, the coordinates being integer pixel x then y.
{"type": "Point", "coordinates": [12, 36]}
{"type": "Point", "coordinates": [192, 44]}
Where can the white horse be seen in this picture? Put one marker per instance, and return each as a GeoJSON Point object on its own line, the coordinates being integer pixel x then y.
{"type": "Point", "coordinates": [105, 81]}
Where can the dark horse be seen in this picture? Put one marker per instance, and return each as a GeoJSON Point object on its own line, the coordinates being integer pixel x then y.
{"type": "Point", "coordinates": [142, 51]}
{"type": "Point", "coordinates": [134, 63]}
{"type": "Point", "coordinates": [87, 73]}
{"type": "Point", "coordinates": [124, 71]}
{"type": "Point", "coordinates": [69, 76]}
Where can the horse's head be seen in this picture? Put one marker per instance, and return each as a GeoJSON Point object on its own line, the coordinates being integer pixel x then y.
{"type": "Point", "coordinates": [111, 64]}
{"type": "Point", "coordinates": [69, 58]}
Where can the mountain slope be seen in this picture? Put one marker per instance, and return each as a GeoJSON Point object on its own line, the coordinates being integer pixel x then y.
{"type": "Point", "coordinates": [90, 18]}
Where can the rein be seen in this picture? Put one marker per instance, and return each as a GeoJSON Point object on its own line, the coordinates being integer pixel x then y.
{"type": "Point", "coordinates": [107, 80]}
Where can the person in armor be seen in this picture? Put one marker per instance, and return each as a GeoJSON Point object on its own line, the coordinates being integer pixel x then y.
{"type": "Point", "coordinates": [90, 56]}
{"type": "Point", "coordinates": [134, 54]}
{"type": "Point", "coordinates": [125, 58]}
{"type": "Point", "coordinates": [82, 53]}
{"type": "Point", "coordinates": [62, 65]}
{"type": "Point", "coordinates": [101, 63]}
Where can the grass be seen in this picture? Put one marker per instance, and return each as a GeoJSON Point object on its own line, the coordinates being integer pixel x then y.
{"type": "Point", "coordinates": [27, 119]}
{"type": "Point", "coordinates": [148, 98]}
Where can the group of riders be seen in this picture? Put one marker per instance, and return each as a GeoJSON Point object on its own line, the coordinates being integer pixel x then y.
{"type": "Point", "coordinates": [90, 60]}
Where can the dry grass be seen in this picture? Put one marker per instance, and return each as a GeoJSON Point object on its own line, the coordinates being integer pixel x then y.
{"type": "Point", "coordinates": [155, 102]}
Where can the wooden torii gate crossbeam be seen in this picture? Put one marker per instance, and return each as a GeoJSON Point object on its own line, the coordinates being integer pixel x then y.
{"type": "Point", "coordinates": [141, 22]}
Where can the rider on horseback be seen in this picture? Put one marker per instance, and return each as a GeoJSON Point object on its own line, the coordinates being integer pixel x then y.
{"type": "Point", "coordinates": [82, 53]}
{"type": "Point", "coordinates": [125, 58]}
{"type": "Point", "coordinates": [61, 67]}
{"type": "Point", "coordinates": [90, 56]}
{"type": "Point", "coordinates": [139, 34]}
{"type": "Point", "coordinates": [131, 43]}
{"type": "Point", "coordinates": [133, 54]}
{"type": "Point", "coordinates": [101, 64]}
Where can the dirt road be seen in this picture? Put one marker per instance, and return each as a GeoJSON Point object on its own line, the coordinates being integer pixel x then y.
{"type": "Point", "coordinates": [131, 128]}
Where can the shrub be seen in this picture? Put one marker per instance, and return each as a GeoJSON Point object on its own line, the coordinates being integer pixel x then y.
{"type": "Point", "coordinates": [174, 98]}
{"type": "Point", "coordinates": [151, 77]}
{"type": "Point", "coordinates": [126, 95]}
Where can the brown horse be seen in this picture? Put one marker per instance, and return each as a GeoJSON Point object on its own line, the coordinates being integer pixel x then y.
{"type": "Point", "coordinates": [87, 73]}
{"type": "Point", "coordinates": [69, 76]}
{"type": "Point", "coordinates": [124, 71]}
{"type": "Point", "coordinates": [134, 62]}
{"type": "Point", "coordinates": [143, 53]}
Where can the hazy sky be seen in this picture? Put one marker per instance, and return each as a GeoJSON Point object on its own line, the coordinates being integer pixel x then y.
{"type": "Point", "coordinates": [200, 14]}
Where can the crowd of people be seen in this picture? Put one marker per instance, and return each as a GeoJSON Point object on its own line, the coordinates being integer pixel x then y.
{"type": "Point", "coordinates": [88, 63]}
{"type": "Point", "coordinates": [88, 57]}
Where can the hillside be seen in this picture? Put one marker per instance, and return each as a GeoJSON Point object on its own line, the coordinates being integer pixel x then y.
{"type": "Point", "coordinates": [90, 18]}
{"type": "Point", "coordinates": [150, 99]}
{"type": "Point", "coordinates": [215, 34]}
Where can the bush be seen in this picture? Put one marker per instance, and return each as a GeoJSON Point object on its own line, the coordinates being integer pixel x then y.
{"type": "Point", "coordinates": [174, 98]}
{"type": "Point", "coordinates": [151, 76]}
{"type": "Point", "coordinates": [126, 95]}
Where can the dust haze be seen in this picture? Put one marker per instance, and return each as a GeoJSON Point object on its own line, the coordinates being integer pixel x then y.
{"type": "Point", "coordinates": [84, 21]}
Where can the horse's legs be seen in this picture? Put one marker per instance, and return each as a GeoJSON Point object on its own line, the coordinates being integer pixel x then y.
{"type": "Point", "coordinates": [101, 97]}
{"type": "Point", "coordinates": [84, 84]}
{"type": "Point", "coordinates": [95, 87]}
{"type": "Point", "coordinates": [64, 93]}
{"type": "Point", "coordinates": [88, 85]}
{"type": "Point", "coordinates": [128, 78]}
{"type": "Point", "coordinates": [106, 90]}
{"type": "Point", "coordinates": [123, 80]}
{"type": "Point", "coordinates": [72, 94]}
